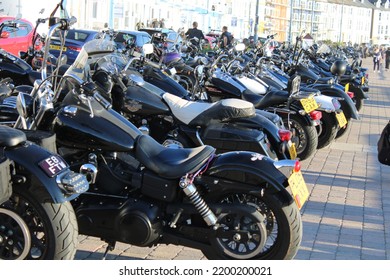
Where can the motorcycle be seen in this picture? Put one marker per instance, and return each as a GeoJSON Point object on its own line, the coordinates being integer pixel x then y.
{"type": "Point", "coordinates": [233, 205]}
{"type": "Point", "coordinates": [37, 220]}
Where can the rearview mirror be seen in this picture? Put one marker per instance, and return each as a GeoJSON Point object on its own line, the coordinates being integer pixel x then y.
{"type": "Point", "coordinates": [147, 49]}
{"type": "Point", "coordinates": [240, 47]}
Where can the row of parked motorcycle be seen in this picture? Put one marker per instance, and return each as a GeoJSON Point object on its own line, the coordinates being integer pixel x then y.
{"type": "Point", "coordinates": [163, 147]}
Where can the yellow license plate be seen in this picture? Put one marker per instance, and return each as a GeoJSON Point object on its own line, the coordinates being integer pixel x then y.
{"type": "Point", "coordinates": [57, 48]}
{"type": "Point", "coordinates": [346, 89]}
{"type": "Point", "coordinates": [298, 188]}
{"type": "Point", "coordinates": [363, 80]}
{"type": "Point", "coordinates": [341, 119]}
{"type": "Point", "coordinates": [293, 151]}
{"type": "Point", "coordinates": [309, 104]}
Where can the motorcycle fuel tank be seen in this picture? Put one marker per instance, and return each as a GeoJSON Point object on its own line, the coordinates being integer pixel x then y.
{"type": "Point", "coordinates": [145, 100]}
{"type": "Point", "coordinates": [107, 130]}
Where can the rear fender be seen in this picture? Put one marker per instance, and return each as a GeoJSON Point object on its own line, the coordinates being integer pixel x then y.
{"type": "Point", "coordinates": [346, 102]}
{"type": "Point", "coordinates": [248, 172]}
{"type": "Point", "coordinates": [26, 158]}
{"type": "Point", "coordinates": [327, 103]}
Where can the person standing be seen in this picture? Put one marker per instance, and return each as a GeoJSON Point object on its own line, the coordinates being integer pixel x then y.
{"type": "Point", "coordinates": [377, 59]}
{"type": "Point", "coordinates": [387, 54]}
{"type": "Point", "coordinates": [194, 34]}
{"type": "Point", "coordinates": [226, 38]}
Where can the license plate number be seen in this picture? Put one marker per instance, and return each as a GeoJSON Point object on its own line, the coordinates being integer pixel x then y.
{"type": "Point", "coordinates": [298, 188]}
{"type": "Point", "coordinates": [57, 48]}
{"type": "Point", "coordinates": [346, 88]}
{"type": "Point", "coordinates": [53, 165]}
{"type": "Point", "coordinates": [309, 104]}
{"type": "Point", "coordinates": [293, 151]}
{"type": "Point", "coordinates": [341, 119]}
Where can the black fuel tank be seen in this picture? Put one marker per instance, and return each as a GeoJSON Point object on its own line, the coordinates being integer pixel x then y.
{"type": "Point", "coordinates": [144, 100]}
{"type": "Point", "coordinates": [106, 130]}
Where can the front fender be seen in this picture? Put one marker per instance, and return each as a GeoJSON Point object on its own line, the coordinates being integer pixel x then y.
{"type": "Point", "coordinates": [26, 157]}
{"type": "Point", "coordinates": [250, 171]}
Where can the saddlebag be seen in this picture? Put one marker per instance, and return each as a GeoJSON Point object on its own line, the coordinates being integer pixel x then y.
{"type": "Point", "coordinates": [5, 180]}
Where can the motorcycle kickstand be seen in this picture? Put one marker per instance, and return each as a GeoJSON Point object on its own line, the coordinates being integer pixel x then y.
{"type": "Point", "coordinates": [110, 247]}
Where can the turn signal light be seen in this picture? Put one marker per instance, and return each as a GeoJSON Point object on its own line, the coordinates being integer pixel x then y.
{"type": "Point", "coordinates": [315, 115]}
{"type": "Point", "coordinates": [285, 135]}
{"type": "Point", "coordinates": [297, 166]}
{"type": "Point", "coordinates": [351, 94]}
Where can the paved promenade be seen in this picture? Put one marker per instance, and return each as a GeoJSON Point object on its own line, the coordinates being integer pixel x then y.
{"type": "Point", "coordinates": [348, 213]}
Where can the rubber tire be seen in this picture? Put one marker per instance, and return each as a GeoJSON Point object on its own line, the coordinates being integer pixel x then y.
{"type": "Point", "coordinates": [344, 130]}
{"type": "Point", "coordinates": [329, 128]}
{"type": "Point", "coordinates": [311, 136]}
{"type": "Point", "coordinates": [358, 103]}
{"type": "Point", "coordinates": [60, 223]}
{"type": "Point", "coordinates": [290, 230]}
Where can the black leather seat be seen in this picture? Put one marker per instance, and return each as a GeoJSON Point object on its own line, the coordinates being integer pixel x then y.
{"type": "Point", "coordinates": [10, 137]}
{"type": "Point", "coordinates": [271, 98]}
{"type": "Point", "coordinates": [169, 162]}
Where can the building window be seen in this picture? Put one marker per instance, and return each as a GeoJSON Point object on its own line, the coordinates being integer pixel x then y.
{"type": "Point", "coordinates": [380, 15]}
{"type": "Point", "coordinates": [94, 9]}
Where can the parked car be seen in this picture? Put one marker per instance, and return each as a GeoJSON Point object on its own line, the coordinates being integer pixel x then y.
{"type": "Point", "coordinates": [139, 38]}
{"type": "Point", "coordinates": [173, 38]}
{"type": "Point", "coordinates": [15, 39]}
{"type": "Point", "coordinates": [74, 41]}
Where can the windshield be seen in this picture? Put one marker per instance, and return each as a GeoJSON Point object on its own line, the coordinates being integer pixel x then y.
{"type": "Point", "coordinates": [94, 54]}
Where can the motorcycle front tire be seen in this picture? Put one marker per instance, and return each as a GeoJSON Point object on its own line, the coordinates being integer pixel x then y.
{"type": "Point", "coordinates": [53, 227]}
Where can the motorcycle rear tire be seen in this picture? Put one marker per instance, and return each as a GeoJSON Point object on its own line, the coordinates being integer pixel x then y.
{"type": "Point", "coordinates": [343, 130]}
{"type": "Point", "coordinates": [306, 140]}
{"type": "Point", "coordinates": [279, 215]}
{"type": "Point", "coordinates": [53, 227]}
{"type": "Point", "coordinates": [328, 130]}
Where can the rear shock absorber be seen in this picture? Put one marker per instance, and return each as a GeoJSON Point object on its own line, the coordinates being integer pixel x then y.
{"type": "Point", "coordinates": [192, 193]}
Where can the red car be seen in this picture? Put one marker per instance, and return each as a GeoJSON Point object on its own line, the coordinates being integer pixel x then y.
{"type": "Point", "coordinates": [16, 39]}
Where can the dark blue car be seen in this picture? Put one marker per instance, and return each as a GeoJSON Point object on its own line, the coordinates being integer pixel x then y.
{"type": "Point", "coordinates": [75, 40]}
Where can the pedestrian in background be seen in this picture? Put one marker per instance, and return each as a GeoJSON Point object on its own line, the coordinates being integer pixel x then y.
{"type": "Point", "coordinates": [194, 34]}
{"type": "Point", "coordinates": [226, 38]}
{"type": "Point", "coordinates": [377, 59]}
{"type": "Point", "coordinates": [387, 54]}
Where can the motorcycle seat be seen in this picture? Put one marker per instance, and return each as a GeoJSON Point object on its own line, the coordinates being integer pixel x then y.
{"type": "Point", "coordinates": [10, 137]}
{"type": "Point", "coordinates": [272, 98]}
{"type": "Point", "coordinates": [196, 113]}
{"type": "Point", "coordinates": [171, 163]}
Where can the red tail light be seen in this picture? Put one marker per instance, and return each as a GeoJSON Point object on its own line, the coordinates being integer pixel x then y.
{"type": "Point", "coordinates": [351, 94]}
{"type": "Point", "coordinates": [297, 166]}
{"type": "Point", "coordinates": [284, 134]}
{"type": "Point", "coordinates": [315, 115]}
{"type": "Point", "coordinates": [77, 49]}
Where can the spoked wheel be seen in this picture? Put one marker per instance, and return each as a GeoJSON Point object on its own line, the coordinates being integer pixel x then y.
{"type": "Point", "coordinates": [273, 231]}
{"type": "Point", "coordinates": [305, 136]}
{"type": "Point", "coordinates": [15, 240]}
{"type": "Point", "coordinates": [243, 235]}
{"type": "Point", "coordinates": [52, 227]}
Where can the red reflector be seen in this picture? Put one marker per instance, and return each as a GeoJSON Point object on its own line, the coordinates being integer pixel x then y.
{"type": "Point", "coordinates": [297, 166]}
{"type": "Point", "coordinates": [351, 94]}
{"type": "Point", "coordinates": [77, 49]}
{"type": "Point", "coordinates": [315, 115]}
{"type": "Point", "coordinates": [284, 134]}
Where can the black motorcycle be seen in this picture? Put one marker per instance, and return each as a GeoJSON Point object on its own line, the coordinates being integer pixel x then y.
{"type": "Point", "coordinates": [231, 206]}
{"type": "Point", "coordinates": [37, 220]}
